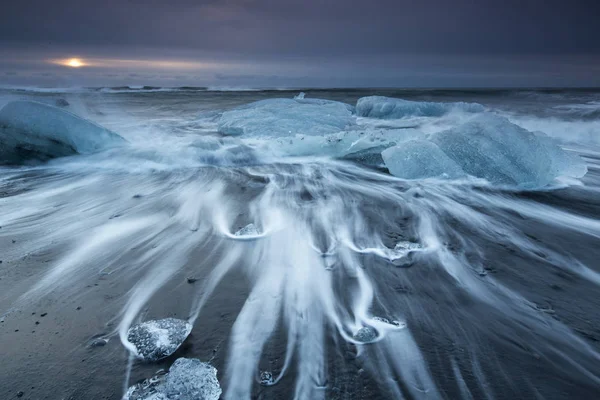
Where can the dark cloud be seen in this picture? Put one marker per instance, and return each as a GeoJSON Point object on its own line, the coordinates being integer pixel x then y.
{"type": "Point", "coordinates": [398, 40]}
{"type": "Point", "coordinates": [294, 27]}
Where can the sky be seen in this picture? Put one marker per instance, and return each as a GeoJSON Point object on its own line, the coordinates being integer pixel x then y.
{"type": "Point", "coordinates": [301, 43]}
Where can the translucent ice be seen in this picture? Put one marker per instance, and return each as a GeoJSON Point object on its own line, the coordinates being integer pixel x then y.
{"type": "Point", "coordinates": [187, 379]}
{"type": "Point", "coordinates": [569, 163]}
{"type": "Point", "coordinates": [158, 339]}
{"type": "Point", "coordinates": [149, 389]}
{"type": "Point", "coordinates": [418, 159]}
{"type": "Point", "coordinates": [287, 117]}
{"type": "Point", "coordinates": [34, 131]}
{"type": "Point", "coordinates": [248, 230]}
{"type": "Point", "coordinates": [395, 323]}
{"type": "Point", "coordinates": [365, 334]}
{"type": "Point", "coordinates": [190, 379]}
{"type": "Point", "coordinates": [391, 108]}
{"type": "Point", "coordinates": [487, 146]}
{"type": "Point", "coordinates": [266, 378]}
{"type": "Point", "coordinates": [357, 144]}
{"type": "Point", "coordinates": [223, 151]}
{"type": "Point", "coordinates": [491, 147]}
{"type": "Point", "coordinates": [407, 246]}
{"type": "Point", "coordinates": [381, 319]}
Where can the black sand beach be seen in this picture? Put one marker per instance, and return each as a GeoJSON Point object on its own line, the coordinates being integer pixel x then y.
{"type": "Point", "coordinates": [500, 300]}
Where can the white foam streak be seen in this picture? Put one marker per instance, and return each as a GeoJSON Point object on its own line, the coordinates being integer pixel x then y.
{"type": "Point", "coordinates": [93, 248]}
{"type": "Point", "coordinates": [318, 270]}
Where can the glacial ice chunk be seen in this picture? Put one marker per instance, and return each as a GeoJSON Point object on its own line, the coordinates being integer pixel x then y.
{"type": "Point", "coordinates": [287, 117]}
{"type": "Point", "coordinates": [419, 159]}
{"type": "Point", "coordinates": [391, 108]}
{"type": "Point", "coordinates": [371, 156]}
{"type": "Point", "coordinates": [156, 339]}
{"type": "Point", "coordinates": [310, 127]}
{"type": "Point", "coordinates": [493, 148]}
{"type": "Point", "coordinates": [35, 131]}
{"type": "Point", "coordinates": [570, 164]}
{"type": "Point", "coordinates": [222, 152]}
{"type": "Point", "coordinates": [315, 101]}
{"type": "Point", "coordinates": [187, 379]}
{"type": "Point", "coordinates": [489, 147]}
{"type": "Point", "coordinates": [365, 334]}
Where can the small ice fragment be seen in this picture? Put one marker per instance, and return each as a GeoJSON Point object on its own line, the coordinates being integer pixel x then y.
{"type": "Point", "coordinates": [248, 230]}
{"type": "Point", "coordinates": [399, 324]}
{"type": "Point", "coordinates": [300, 96]}
{"type": "Point", "coordinates": [395, 323]}
{"type": "Point", "coordinates": [266, 378]}
{"type": "Point", "coordinates": [407, 246]}
{"type": "Point", "coordinates": [187, 379]}
{"type": "Point", "coordinates": [380, 319]}
{"type": "Point", "coordinates": [191, 379]}
{"type": "Point", "coordinates": [158, 339]}
{"type": "Point", "coordinates": [365, 334]}
{"type": "Point", "coordinates": [149, 389]}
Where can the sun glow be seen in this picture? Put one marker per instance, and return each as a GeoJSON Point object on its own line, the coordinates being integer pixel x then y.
{"type": "Point", "coordinates": [70, 62]}
{"type": "Point", "coordinates": [129, 63]}
{"type": "Point", "coordinates": [74, 63]}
